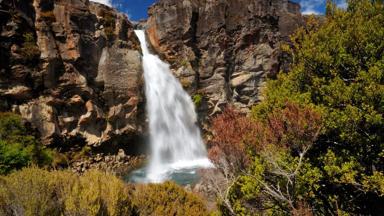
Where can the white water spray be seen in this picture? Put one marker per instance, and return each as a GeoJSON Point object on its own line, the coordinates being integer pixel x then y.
{"type": "Point", "coordinates": [175, 139]}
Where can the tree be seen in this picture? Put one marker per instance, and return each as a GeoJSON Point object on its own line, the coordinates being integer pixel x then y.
{"type": "Point", "coordinates": [338, 68]}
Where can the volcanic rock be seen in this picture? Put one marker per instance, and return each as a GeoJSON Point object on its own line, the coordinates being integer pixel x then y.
{"type": "Point", "coordinates": [73, 70]}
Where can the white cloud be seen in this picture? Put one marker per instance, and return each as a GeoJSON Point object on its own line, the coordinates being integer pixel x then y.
{"type": "Point", "coordinates": [311, 6]}
{"type": "Point", "coordinates": [342, 4]}
{"type": "Point", "coordinates": [106, 2]}
{"type": "Point", "coordinates": [310, 11]}
{"type": "Point", "coordinates": [315, 6]}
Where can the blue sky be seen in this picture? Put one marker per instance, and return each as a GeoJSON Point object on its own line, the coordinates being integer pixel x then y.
{"type": "Point", "coordinates": [317, 6]}
{"type": "Point", "coordinates": [137, 9]}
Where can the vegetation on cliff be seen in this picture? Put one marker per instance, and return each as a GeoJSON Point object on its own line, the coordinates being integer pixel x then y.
{"type": "Point", "coordinates": [315, 144]}
{"type": "Point", "coordinates": [18, 146]}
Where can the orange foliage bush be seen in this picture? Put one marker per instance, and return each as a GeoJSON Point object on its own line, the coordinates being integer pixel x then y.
{"type": "Point", "coordinates": [293, 127]}
{"type": "Point", "coordinates": [237, 137]}
{"type": "Point", "coordinates": [233, 132]}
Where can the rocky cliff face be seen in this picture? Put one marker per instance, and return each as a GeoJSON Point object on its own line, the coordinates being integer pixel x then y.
{"type": "Point", "coordinates": [72, 69]}
{"type": "Point", "coordinates": [222, 50]}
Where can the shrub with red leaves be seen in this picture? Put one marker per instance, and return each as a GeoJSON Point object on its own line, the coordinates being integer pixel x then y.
{"type": "Point", "coordinates": [237, 136]}
{"type": "Point", "coordinates": [233, 133]}
{"type": "Point", "coordinates": [293, 127]}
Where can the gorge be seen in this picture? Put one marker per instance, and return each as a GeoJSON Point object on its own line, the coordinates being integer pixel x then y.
{"type": "Point", "coordinates": [81, 86]}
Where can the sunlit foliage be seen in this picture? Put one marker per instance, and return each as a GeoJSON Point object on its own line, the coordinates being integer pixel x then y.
{"type": "Point", "coordinates": [320, 142]}
{"type": "Point", "coordinates": [33, 191]}
{"type": "Point", "coordinates": [18, 146]}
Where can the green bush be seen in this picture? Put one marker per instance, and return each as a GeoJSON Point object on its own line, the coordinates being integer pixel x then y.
{"type": "Point", "coordinates": [338, 69]}
{"type": "Point", "coordinates": [167, 199]}
{"type": "Point", "coordinates": [323, 155]}
{"type": "Point", "coordinates": [17, 147]}
{"type": "Point", "coordinates": [197, 100]}
{"type": "Point", "coordinates": [14, 156]}
{"type": "Point", "coordinates": [30, 51]}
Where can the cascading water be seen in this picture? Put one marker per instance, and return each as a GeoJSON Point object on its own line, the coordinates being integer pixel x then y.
{"type": "Point", "coordinates": [175, 139]}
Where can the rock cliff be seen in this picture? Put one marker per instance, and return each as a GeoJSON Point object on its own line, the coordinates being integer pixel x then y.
{"type": "Point", "coordinates": [72, 68]}
{"type": "Point", "coordinates": [222, 50]}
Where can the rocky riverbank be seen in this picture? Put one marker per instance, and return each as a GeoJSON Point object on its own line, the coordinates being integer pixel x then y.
{"type": "Point", "coordinates": [119, 164]}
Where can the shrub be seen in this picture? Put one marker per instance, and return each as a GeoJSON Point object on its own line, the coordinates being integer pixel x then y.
{"type": "Point", "coordinates": [197, 100]}
{"type": "Point", "coordinates": [84, 152]}
{"type": "Point", "coordinates": [233, 133]}
{"type": "Point", "coordinates": [167, 199]}
{"type": "Point", "coordinates": [30, 51]}
{"type": "Point", "coordinates": [34, 191]}
{"type": "Point", "coordinates": [14, 156]}
{"type": "Point", "coordinates": [18, 148]}
{"type": "Point", "coordinates": [97, 193]}
{"type": "Point", "coordinates": [267, 154]}
{"type": "Point", "coordinates": [30, 192]}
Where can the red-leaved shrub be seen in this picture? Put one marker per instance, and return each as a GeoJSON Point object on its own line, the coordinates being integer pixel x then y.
{"type": "Point", "coordinates": [236, 137]}
{"type": "Point", "coordinates": [233, 133]}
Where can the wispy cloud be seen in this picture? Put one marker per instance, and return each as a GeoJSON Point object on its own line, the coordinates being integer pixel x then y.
{"type": "Point", "coordinates": [106, 2]}
{"type": "Point", "coordinates": [342, 4]}
{"type": "Point", "coordinates": [310, 11]}
{"type": "Point", "coordinates": [311, 6]}
{"type": "Point", "coordinates": [318, 6]}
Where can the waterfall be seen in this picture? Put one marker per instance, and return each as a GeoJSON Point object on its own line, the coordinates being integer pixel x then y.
{"type": "Point", "coordinates": [175, 138]}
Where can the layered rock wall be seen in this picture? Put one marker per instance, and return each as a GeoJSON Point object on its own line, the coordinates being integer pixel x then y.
{"type": "Point", "coordinates": [72, 69]}
{"type": "Point", "coordinates": [222, 50]}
